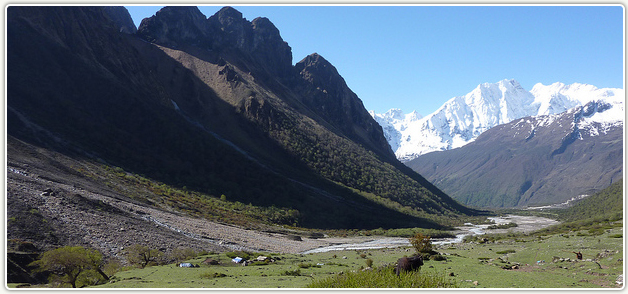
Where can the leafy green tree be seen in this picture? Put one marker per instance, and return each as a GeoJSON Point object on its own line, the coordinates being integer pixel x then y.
{"type": "Point", "coordinates": [69, 262]}
{"type": "Point", "coordinates": [141, 255]}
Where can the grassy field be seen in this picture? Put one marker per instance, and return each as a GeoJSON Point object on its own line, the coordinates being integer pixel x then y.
{"type": "Point", "coordinates": [534, 262]}
{"type": "Point", "coordinates": [520, 262]}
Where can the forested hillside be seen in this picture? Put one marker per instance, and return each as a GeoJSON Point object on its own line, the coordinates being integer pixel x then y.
{"type": "Point", "coordinates": [607, 204]}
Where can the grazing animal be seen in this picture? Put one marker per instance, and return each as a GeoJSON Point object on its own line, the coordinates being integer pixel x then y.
{"type": "Point", "coordinates": [578, 255]}
{"type": "Point", "coordinates": [408, 264]}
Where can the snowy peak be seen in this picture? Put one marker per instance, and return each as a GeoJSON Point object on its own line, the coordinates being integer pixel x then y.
{"type": "Point", "coordinates": [461, 119]}
{"type": "Point", "coordinates": [558, 97]}
{"type": "Point", "coordinates": [487, 105]}
{"type": "Point", "coordinates": [393, 122]}
{"type": "Point", "coordinates": [396, 114]}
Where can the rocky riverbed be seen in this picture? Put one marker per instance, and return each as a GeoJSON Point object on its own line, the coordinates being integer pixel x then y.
{"type": "Point", "coordinates": [524, 224]}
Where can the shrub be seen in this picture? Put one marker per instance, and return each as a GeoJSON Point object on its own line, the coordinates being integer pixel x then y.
{"type": "Point", "coordinates": [307, 265]}
{"type": "Point", "coordinates": [212, 275]}
{"type": "Point", "coordinates": [369, 262]}
{"type": "Point", "coordinates": [181, 254]}
{"type": "Point", "coordinates": [142, 255]}
{"type": "Point", "coordinates": [506, 251]}
{"type": "Point", "coordinates": [421, 243]}
{"type": "Point", "coordinates": [502, 226]}
{"type": "Point", "coordinates": [112, 266]}
{"type": "Point", "coordinates": [243, 254]}
{"type": "Point", "coordinates": [439, 257]}
{"type": "Point", "coordinates": [296, 272]}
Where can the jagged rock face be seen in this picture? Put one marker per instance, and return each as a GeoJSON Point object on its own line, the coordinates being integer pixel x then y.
{"type": "Point", "coordinates": [257, 47]}
{"type": "Point", "coordinates": [121, 18]}
{"type": "Point", "coordinates": [329, 95]}
{"type": "Point", "coordinates": [235, 31]}
{"type": "Point", "coordinates": [268, 47]}
{"type": "Point", "coordinates": [178, 26]}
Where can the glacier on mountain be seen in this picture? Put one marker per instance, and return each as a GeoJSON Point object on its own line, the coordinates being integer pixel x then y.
{"type": "Point", "coordinates": [461, 119]}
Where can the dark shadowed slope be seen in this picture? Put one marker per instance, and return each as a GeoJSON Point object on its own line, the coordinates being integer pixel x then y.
{"type": "Point", "coordinates": [213, 105]}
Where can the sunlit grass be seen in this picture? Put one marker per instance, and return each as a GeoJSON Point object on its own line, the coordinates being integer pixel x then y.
{"type": "Point", "coordinates": [384, 277]}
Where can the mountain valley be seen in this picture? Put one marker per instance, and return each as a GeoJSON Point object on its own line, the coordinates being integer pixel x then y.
{"type": "Point", "coordinates": [204, 117]}
{"type": "Point", "coordinates": [199, 133]}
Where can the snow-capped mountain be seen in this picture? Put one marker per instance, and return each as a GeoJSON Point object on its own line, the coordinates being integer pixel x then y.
{"type": "Point", "coordinates": [461, 119]}
{"type": "Point", "coordinates": [395, 122]}
{"type": "Point", "coordinates": [533, 160]}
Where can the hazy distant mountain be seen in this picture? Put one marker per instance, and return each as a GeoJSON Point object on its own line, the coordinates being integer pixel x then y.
{"type": "Point", "coordinates": [535, 160]}
{"type": "Point", "coordinates": [462, 119]}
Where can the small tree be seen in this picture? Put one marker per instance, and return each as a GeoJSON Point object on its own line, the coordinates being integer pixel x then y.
{"type": "Point", "coordinates": [69, 262]}
{"type": "Point", "coordinates": [181, 254]}
{"type": "Point", "coordinates": [421, 243]}
{"type": "Point", "coordinates": [141, 255]}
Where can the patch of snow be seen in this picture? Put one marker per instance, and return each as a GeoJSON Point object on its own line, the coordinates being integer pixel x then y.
{"type": "Point", "coordinates": [176, 107]}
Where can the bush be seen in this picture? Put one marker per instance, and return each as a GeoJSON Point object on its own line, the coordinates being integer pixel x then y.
{"type": "Point", "coordinates": [244, 254]}
{"type": "Point", "coordinates": [438, 257]}
{"type": "Point", "coordinates": [212, 275]}
{"type": "Point", "coordinates": [307, 265]}
{"type": "Point", "coordinates": [181, 254]}
{"type": "Point", "coordinates": [506, 251]}
{"type": "Point", "coordinates": [369, 262]}
{"type": "Point", "coordinates": [384, 277]}
{"type": "Point", "coordinates": [112, 267]}
{"type": "Point", "coordinates": [421, 243]}
{"type": "Point", "coordinates": [142, 255]}
{"type": "Point", "coordinates": [296, 272]}
{"type": "Point", "coordinates": [502, 226]}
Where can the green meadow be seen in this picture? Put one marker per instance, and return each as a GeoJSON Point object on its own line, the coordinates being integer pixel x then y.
{"type": "Point", "coordinates": [519, 261]}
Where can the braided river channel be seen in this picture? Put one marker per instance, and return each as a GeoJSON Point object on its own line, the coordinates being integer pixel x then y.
{"type": "Point", "coordinates": [524, 224]}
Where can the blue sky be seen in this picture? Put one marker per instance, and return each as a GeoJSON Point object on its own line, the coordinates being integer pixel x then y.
{"type": "Point", "coordinates": [418, 57]}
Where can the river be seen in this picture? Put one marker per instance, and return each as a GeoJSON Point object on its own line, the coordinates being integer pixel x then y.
{"type": "Point", "coordinates": [524, 224]}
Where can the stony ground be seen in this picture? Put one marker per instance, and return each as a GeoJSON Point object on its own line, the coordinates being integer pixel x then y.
{"type": "Point", "coordinates": [50, 205]}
